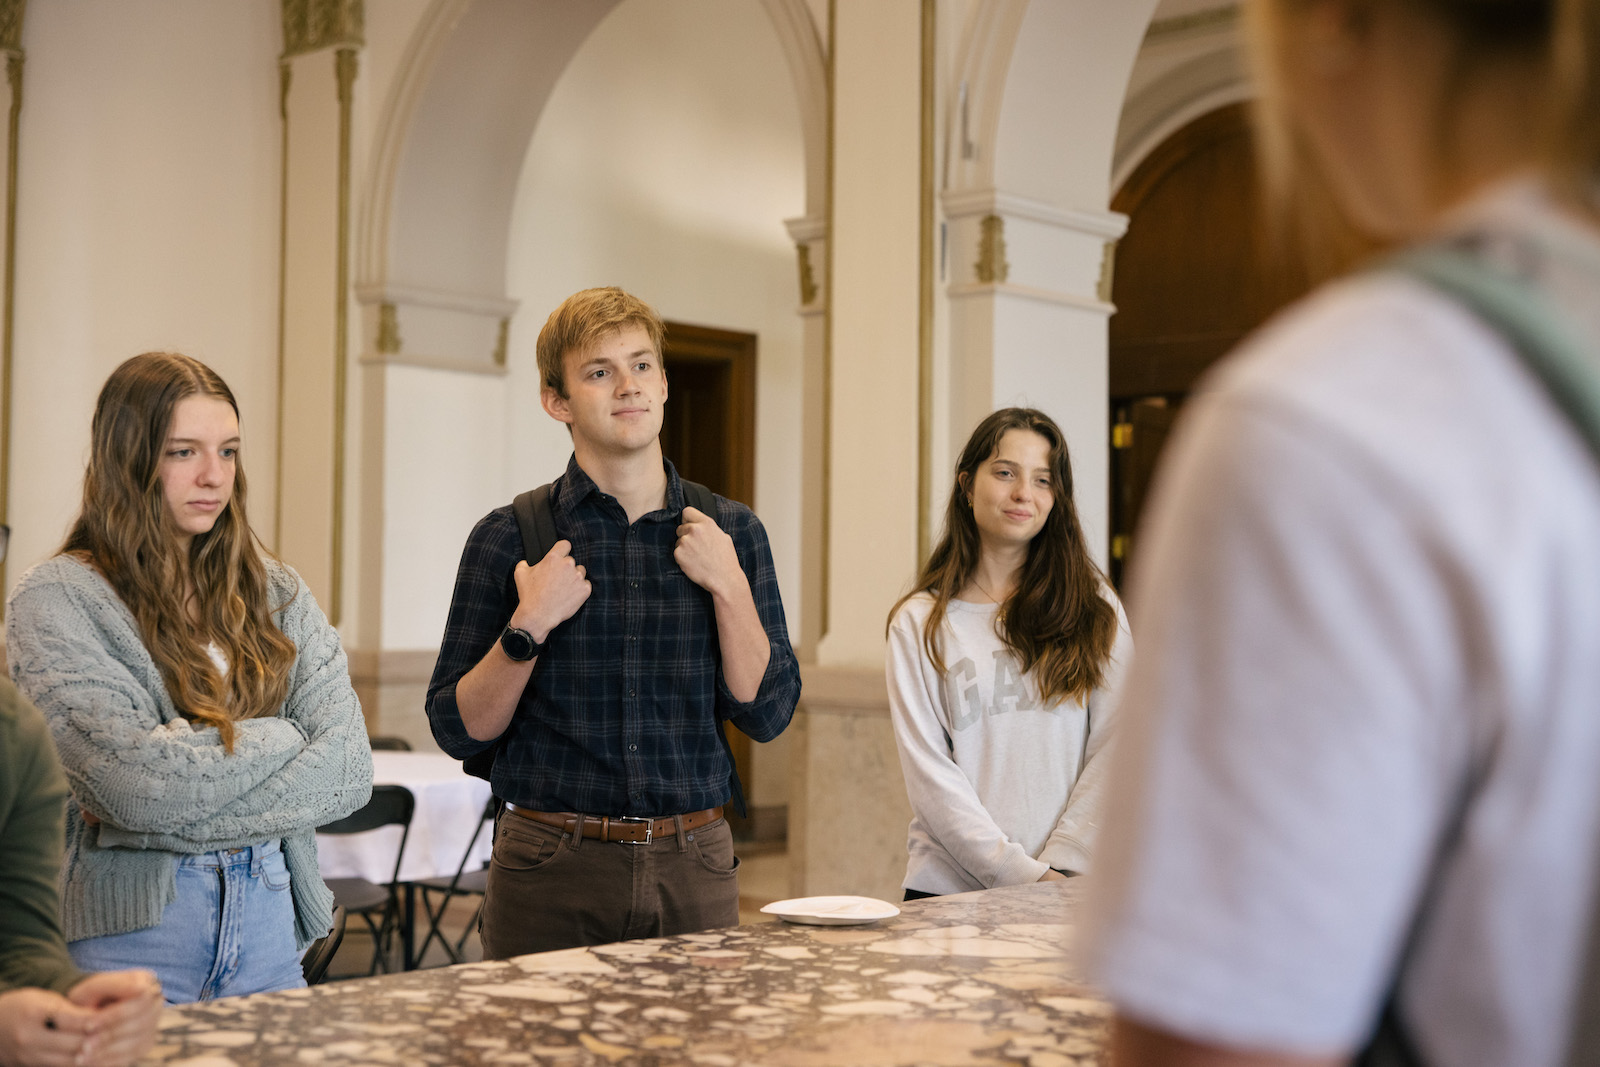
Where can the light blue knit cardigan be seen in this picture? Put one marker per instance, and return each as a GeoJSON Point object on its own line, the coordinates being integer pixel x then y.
{"type": "Point", "coordinates": [163, 787]}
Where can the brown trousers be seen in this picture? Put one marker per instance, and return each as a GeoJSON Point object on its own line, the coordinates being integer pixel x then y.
{"type": "Point", "coordinates": [550, 890]}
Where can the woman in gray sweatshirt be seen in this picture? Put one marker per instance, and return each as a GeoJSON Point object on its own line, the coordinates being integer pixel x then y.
{"type": "Point", "coordinates": [198, 697]}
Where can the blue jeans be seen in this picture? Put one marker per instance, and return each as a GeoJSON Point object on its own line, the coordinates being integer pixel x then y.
{"type": "Point", "coordinates": [228, 932]}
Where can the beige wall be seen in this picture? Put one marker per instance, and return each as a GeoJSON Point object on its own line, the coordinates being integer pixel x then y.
{"type": "Point", "coordinates": [148, 174]}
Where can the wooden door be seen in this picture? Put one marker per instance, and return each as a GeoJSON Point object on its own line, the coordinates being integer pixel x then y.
{"type": "Point", "coordinates": [708, 431]}
{"type": "Point", "coordinates": [1194, 274]}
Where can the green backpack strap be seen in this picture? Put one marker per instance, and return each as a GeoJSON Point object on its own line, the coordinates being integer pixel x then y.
{"type": "Point", "coordinates": [1526, 318]}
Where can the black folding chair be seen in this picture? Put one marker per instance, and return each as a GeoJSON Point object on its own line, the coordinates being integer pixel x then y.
{"type": "Point", "coordinates": [314, 964]}
{"type": "Point", "coordinates": [391, 805]}
{"type": "Point", "coordinates": [465, 882]}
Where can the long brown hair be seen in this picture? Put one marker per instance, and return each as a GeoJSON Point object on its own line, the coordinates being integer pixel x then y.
{"type": "Point", "coordinates": [126, 530]}
{"type": "Point", "coordinates": [1055, 621]}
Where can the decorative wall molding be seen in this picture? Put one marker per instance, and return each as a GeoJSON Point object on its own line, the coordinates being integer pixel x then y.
{"type": "Point", "coordinates": [312, 25]}
{"type": "Point", "coordinates": [1107, 225]}
{"type": "Point", "coordinates": [496, 307]}
{"type": "Point", "coordinates": [808, 279]}
{"type": "Point", "coordinates": [502, 344]}
{"type": "Point", "coordinates": [810, 234]}
{"type": "Point", "coordinates": [388, 341]}
{"type": "Point", "coordinates": [11, 12]}
{"type": "Point", "coordinates": [420, 327]}
{"type": "Point", "coordinates": [967, 290]}
{"type": "Point", "coordinates": [992, 266]}
{"type": "Point", "coordinates": [1198, 22]}
{"type": "Point", "coordinates": [1029, 249]}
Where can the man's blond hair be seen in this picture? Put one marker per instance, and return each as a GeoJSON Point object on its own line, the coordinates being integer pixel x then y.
{"type": "Point", "coordinates": [584, 318]}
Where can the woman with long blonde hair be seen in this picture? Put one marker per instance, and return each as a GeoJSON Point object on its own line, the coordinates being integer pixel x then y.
{"type": "Point", "coordinates": [199, 700]}
{"type": "Point", "coordinates": [1002, 668]}
{"type": "Point", "coordinates": [1356, 811]}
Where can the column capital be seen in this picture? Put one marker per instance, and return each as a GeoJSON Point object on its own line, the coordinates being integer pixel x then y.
{"type": "Point", "coordinates": [312, 25]}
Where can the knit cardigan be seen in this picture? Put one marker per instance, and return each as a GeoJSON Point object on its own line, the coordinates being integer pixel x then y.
{"type": "Point", "coordinates": [163, 787]}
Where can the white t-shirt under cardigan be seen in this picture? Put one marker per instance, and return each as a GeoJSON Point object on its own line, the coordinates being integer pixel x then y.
{"type": "Point", "coordinates": [1371, 575]}
{"type": "Point", "coordinates": [1002, 786]}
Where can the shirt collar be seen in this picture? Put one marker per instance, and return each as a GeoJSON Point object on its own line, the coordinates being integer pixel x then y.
{"type": "Point", "coordinates": [577, 486]}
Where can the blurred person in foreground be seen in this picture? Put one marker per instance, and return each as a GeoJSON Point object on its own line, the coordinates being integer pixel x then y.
{"type": "Point", "coordinates": [1360, 775]}
{"type": "Point", "coordinates": [51, 1012]}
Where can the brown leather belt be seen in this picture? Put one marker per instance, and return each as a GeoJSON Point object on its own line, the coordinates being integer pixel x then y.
{"type": "Point", "coordinates": [627, 829]}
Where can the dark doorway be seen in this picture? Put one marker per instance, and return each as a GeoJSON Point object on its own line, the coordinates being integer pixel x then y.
{"type": "Point", "coordinates": [709, 427]}
{"type": "Point", "coordinates": [1194, 274]}
{"type": "Point", "coordinates": [708, 431]}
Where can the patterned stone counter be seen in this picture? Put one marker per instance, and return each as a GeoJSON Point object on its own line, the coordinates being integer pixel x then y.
{"type": "Point", "coordinates": [973, 979]}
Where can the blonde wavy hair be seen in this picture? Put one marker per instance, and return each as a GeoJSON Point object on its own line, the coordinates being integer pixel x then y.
{"type": "Point", "coordinates": [126, 530]}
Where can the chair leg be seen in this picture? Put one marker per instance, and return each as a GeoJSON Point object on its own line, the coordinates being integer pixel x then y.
{"type": "Point", "coordinates": [467, 931]}
{"type": "Point", "coordinates": [435, 918]}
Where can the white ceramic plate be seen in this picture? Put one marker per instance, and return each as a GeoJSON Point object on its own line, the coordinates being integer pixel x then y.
{"type": "Point", "coordinates": [832, 911]}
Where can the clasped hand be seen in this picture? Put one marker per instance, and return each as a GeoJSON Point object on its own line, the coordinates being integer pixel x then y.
{"type": "Point", "coordinates": [550, 592]}
{"type": "Point", "coordinates": [706, 554]}
{"type": "Point", "coordinates": [106, 1019]}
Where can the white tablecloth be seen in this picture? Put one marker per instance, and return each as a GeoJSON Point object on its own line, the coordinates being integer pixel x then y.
{"type": "Point", "coordinates": [449, 803]}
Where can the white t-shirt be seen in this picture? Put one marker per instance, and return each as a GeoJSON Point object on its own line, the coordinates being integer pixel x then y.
{"type": "Point", "coordinates": [1002, 786]}
{"type": "Point", "coordinates": [1371, 576]}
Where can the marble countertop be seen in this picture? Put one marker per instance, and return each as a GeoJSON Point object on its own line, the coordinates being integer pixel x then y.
{"type": "Point", "coordinates": [979, 978]}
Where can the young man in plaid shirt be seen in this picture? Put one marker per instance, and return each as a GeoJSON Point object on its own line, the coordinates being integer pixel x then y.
{"type": "Point", "coordinates": [599, 675]}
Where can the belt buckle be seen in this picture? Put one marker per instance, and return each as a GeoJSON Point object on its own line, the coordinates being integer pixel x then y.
{"type": "Point", "coordinates": [649, 828]}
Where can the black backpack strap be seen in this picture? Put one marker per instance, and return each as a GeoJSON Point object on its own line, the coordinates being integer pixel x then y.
{"type": "Point", "coordinates": [700, 498]}
{"type": "Point", "coordinates": [703, 500]}
{"type": "Point", "coordinates": [537, 522]}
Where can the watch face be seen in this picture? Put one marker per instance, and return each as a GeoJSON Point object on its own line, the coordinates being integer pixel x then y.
{"type": "Point", "coordinates": [517, 643]}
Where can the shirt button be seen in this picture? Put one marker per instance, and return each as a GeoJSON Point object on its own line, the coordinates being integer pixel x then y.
{"type": "Point", "coordinates": [633, 748]}
{"type": "Point", "coordinates": [630, 692]}
{"type": "Point", "coordinates": [634, 584]}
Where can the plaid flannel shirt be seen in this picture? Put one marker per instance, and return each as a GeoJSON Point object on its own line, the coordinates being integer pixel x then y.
{"type": "Point", "coordinates": [620, 715]}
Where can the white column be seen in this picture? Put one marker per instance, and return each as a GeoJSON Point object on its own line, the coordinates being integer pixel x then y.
{"type": "Point", "coordinates": [322, 42]}
{"type": "Point", "coordinates": [1028, 319]}
{"type": "Point", "coordinates": [872, 387]}
{"type": "Point", "coordinates": [809, 234]}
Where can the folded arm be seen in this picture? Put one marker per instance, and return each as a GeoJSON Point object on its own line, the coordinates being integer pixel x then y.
{"type": "Point", "coordinates": [328, 777]}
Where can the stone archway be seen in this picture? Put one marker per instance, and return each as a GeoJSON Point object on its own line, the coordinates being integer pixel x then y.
{"type": "Point", "coordinates": [1033, 118]}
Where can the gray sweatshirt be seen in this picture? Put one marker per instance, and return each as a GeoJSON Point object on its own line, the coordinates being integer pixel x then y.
{"type": "Point", "coordinates": [1003, 786]}
{"type": "Point", "coordinates": [162, 787]}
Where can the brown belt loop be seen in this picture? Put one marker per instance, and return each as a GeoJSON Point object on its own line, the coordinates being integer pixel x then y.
{"type": "Point", "coordinates": [677, 825]}
{"type": "Point", "coordinates": [577, 831]}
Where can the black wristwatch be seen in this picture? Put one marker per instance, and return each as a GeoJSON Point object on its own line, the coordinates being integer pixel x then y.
{"type": "Point", "coordinates": [520, 645]}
